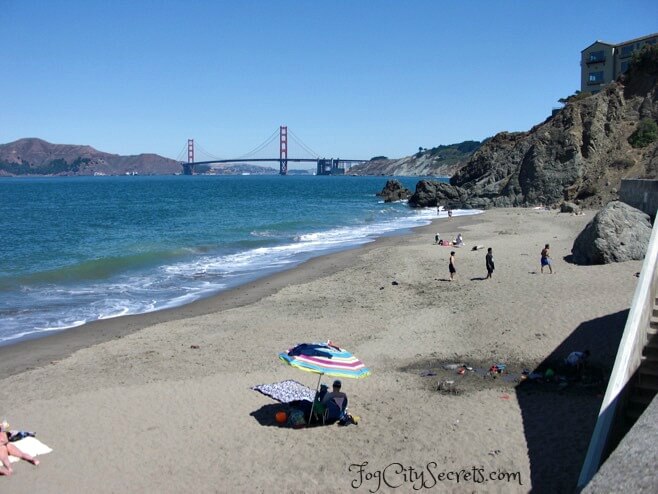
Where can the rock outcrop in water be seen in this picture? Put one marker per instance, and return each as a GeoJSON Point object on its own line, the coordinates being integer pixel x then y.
{"type": "Point", "coordinates": [394, 191]}
{"type": "Point", "coordinates": [617, 233]}
{"type": "Point", "coordinates": [580, 154]}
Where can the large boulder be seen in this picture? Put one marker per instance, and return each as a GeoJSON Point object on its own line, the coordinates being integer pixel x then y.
{"type": "Point", "coordinates": [617, 233]}
{"type": "Point", "coordinates": [394, 191]}
{"type": "Point", "coordinates": [569, 207]}
{"type": "Point", "coordinates": [431, 194]}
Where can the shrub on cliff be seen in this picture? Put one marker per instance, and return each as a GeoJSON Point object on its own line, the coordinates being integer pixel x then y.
{"type": "Point", "coordinates": [645, 134]}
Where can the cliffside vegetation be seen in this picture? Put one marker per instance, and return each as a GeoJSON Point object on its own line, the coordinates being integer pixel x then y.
{"type": "Point", "coordinates": [579, 154]}
{"type": "Point", "coordinates": [439, 161]}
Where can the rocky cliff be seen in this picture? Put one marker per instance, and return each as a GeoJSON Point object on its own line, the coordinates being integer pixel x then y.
{"type": "Point", "coordinates": [441, 161]}
{"type": "Point", "coordinates": [33, 156]}
{"type": "Point", "coordinates": [579, 154]}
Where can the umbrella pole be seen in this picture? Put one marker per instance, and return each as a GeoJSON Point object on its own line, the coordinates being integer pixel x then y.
{"type": "Point", "coordinates": [317, 388]}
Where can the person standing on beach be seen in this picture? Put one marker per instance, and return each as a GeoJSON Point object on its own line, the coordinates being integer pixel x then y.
{"type": "Point", "coordinates": [489, 260]}
{"type": "Point", "coordinates": [451, 266]}
{"type": "Point", "coordinates": [546, 259]}
{"type": "Point", "coordinates": [449, 214]}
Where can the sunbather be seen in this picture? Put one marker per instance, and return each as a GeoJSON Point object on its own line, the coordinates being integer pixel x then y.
{"type": "Point", "coordinates": [6, 449]}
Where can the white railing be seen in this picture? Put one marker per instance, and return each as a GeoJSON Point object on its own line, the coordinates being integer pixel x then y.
{"type": "Point", "coordinates": [629, 356]}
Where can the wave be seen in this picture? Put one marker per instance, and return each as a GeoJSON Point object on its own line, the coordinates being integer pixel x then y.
{"type": "Point", "coordinates": [139, 283]}
{"type": "Point", "coordinates": [93, 269]}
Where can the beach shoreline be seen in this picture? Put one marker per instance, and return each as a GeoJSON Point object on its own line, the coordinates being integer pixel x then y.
{"type": "Point", "coordinates": [163, 402]}
{"type": "Point", "coordinates": [40, 349]}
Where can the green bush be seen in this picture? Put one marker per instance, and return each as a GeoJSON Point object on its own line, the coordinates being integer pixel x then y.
{"type": "Point", "coordinates": [645, 61]}
{"type": "Point", "coordinates": [577, 96]}
{"type": "Point", "coordinates": [645, 134]}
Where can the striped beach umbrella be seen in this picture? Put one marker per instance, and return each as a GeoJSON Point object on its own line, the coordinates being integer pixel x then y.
{"type": "Point", "coordinates": [324, 359]}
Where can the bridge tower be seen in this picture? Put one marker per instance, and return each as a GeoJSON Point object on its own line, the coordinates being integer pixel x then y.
{"type": "Point", "coordinates": [188, 168]}
{"type": "Point", "coordinates": [283, 150]}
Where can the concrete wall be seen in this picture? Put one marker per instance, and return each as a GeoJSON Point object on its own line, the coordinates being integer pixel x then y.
{"type": "Point", "coordinates": [631, 467]}
{"type": "Point", "coordinates": [641, 194]}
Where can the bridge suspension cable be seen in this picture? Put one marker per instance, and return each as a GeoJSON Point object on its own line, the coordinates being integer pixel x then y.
{"type": "Point", "coordinates": [181, 156]}
{"type": "Point", "coordinates": [262, 146]}
{"type": "Point", "coordinates": [206, 153]}
{"type": "Point", "coordinates": [302, 145]}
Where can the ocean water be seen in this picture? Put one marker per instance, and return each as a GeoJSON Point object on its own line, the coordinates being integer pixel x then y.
{"type": "Point", "coordinates": [75, 250]}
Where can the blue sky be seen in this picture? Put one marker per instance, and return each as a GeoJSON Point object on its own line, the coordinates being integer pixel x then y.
{"type": "Point", "coordinates": [352, 79]}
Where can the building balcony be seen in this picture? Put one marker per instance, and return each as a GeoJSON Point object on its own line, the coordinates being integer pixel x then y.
{"type": "Point", "coordinates": [595, 60]}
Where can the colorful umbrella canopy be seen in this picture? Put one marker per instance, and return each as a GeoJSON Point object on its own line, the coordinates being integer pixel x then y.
{"type": "Point", "coordinates": [325, 358]}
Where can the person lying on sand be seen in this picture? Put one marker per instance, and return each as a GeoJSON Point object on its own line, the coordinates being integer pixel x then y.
{"type": "Point", "coordinates": [6, 449]}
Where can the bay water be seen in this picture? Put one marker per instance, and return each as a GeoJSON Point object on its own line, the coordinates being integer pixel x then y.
{"type": "Point", "coordinates": [79, 249]}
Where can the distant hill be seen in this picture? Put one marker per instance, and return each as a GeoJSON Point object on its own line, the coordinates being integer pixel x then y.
{"type": "Point", "coordinates": [440, 161]}
{"type": "Point", "coordinates": [32, 156]}
{"type": "Point", "coordinates": [239, 169]}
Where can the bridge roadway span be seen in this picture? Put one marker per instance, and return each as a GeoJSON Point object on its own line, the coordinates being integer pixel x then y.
{"type": "Point", "coordinates": [277, 160]}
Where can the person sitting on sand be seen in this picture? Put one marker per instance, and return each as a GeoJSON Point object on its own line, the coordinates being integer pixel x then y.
{"type": "Point", "coordinates": [6, 449]}
{"type": "Point", "coordinates": [335, 393]}
{"type": "Point", "coordinates": [459, 241]}
{"type": "Point", "coordinates": [577, 360]}
{"type": "Point", "coordinates": [335, 402]}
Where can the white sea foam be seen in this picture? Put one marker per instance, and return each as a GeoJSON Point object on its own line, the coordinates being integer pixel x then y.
{"type": "Point", "coordinates": [204, 274]}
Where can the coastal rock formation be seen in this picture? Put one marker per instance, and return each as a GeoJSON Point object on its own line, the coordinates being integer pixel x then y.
{"type": "Point", "coordinates": [580, 154]}
{"type": "Point", "coordinates": [440, 161]}
{"type": "Point", "coordinates": [618, 233]}
{"type": "Point", "coordinates": [394, 191]}
{"type": "Point", "coordinates": [569, 207]}
{"type": "Point", "coordinates": [430, 193]}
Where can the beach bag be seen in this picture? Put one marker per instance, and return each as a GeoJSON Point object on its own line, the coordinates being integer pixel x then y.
{"type": "Point", "coordinates": [296, 419]}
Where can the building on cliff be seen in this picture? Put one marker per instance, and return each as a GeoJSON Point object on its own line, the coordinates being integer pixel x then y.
{"type": "Point", "coordinates": [601, 62]}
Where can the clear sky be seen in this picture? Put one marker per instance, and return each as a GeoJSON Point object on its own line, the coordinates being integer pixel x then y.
{"type": "Point", "coordinates": [353, 79]}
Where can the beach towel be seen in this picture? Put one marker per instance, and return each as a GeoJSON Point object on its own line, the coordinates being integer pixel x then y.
{"type": "Point", "coordinates": [30, 445]}
{"type": "Point", "coordinates": [286, 391]}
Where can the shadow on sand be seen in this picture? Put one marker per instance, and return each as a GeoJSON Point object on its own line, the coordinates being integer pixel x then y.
{"type": "Point", "coordinates": [265, 415]}
{"type": "Point", "coordinates": [558, 421]}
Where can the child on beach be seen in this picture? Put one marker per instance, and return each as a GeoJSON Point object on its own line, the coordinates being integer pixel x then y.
{"type": "Point", "coordinates": [546, 259]}
{"type": "Point", "coordinates": [451, 266]}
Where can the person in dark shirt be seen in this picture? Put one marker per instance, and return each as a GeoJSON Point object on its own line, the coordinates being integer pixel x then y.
{"type": "Point", "coordinates": [489, 260]}
{"type": "Point", "coordinates": [452, 267]}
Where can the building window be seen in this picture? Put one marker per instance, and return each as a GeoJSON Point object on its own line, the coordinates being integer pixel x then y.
{"type": "Point", "coordinates": [627, 50]}
{"type": "Point", "coordinates": [595, 77]}
{"type": "Point", "coordinates": [624, 67]}
{"type": "Point", "coordinates": [596, 56]}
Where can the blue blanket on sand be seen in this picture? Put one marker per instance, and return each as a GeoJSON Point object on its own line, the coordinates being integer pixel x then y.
{"type": "Point", "coordinates": [286, 391]}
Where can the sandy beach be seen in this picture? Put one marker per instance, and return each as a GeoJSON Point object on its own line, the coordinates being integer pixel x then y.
{"type": "Point", "coordinates": [129, 406]}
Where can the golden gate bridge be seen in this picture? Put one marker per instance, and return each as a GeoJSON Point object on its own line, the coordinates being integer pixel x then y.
{"type": "Point", "coordinates": [324, 166]}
